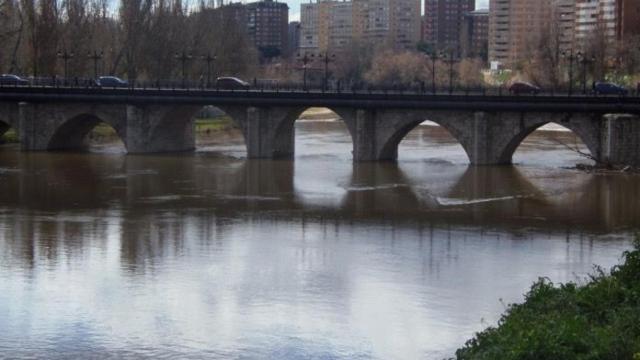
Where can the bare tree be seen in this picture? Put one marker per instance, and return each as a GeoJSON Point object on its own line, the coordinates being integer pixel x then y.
{"type": "Point", "coordinates": [135, 16]}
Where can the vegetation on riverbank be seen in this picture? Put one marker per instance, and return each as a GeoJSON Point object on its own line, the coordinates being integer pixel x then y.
{"type": "Point", "coordinates": [221, 123]}
{"type": "Point", "coordinates": [10, 137]}
{"type": "Point", "coordinates": [598, 320]}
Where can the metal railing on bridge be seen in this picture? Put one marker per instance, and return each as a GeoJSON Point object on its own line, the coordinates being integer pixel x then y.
{"type": "Point", "coordinates": [295, 87]}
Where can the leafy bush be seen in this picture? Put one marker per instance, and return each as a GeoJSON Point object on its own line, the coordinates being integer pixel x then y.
{"type": "Point", "coordinates": [598, 320]}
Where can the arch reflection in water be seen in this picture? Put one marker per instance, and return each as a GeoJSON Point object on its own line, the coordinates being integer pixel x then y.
{"type": "Point", "coordinates": [322, 186]}
{"type": "Point", "coordinates": [216, 256]}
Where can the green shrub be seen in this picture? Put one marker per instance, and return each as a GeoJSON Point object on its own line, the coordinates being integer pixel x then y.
{"type": "Point", "coordinates": [597, 320]}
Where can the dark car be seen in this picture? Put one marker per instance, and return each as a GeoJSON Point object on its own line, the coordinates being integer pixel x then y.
{"type": "Point", "coordinates": [607, 88]}
{"type": "Point", "coordinates": [10, 79]}
{"type": "Point", "coordinates": [111, 81]}
{"type": "Point", "coordinates": [231, 83]}
{"type": "Point", "coordinates": [521, 87]}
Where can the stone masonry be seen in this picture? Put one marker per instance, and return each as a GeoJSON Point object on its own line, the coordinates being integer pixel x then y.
{"type": "Point", "coordinates": [488, 138]}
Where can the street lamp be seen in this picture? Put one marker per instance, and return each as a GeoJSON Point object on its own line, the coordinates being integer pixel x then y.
{"type": "Point", "coordinates": [95, 56]}
{"type": "Point", "coordinates": [433, 56]}
{"type": "Point", "coordinates": [571, 57]}
{"type": "Point", "coordinates": [65, 56]}
{"type": "Point", "coordinates": [584, 60]}
{"type": "Point", "coordinates": [449, 59]}
{"type": "Point", "coordinates": [183, 58]}
{"type": "Point", "coordinates": [306, 59]}
{"type": "Point", "coordinates": [209, 59]}
{"type": "Point", "coordinates": [327, 59]}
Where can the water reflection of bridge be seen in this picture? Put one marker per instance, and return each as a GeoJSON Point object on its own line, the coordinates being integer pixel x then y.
{"type": "Point", "coordinates": [228, 188]}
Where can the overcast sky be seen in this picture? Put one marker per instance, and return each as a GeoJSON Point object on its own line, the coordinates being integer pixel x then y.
{"type": "Point", "coordinates": [294, 6]}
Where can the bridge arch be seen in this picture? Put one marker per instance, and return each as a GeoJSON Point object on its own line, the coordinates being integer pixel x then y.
{"type": "Point", "coordinates": [585, 130]}
{"type": "Point", "coordinates": [72, 132]}
{"type": "Point", "coordinates": [4, 126]}
{"type": "Point", "coordinates": [284, 132]}
{"type": "Point", "coordinates": [405, 121]}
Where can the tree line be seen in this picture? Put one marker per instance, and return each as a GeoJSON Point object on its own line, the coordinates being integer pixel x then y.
{"type": "Point", "coordinates": [136, 39]}
{"type": "Point", "coordinates": [152, 40]}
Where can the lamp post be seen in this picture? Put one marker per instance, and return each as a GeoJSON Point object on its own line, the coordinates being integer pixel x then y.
{"type": "Point", "coordinates": [584, 60]}
{"type": "Point", "coordinates": [450, 60]}
{"type": "Point", "coordinates": [571, 57]}
{"type": "Point", "coordinates": [95, 56]}
{"type": "Point", "coordinates": [327, 59]}
{"type": "Point", "coordinates": [65, 56]}
{"type": "Point", "coordinates": [306, 59]}
{"type": "Point", "coordinates": [183, 58]}
{"type": "Point", "coordinates": [433, 56]}
{"type": "Point", "coordinates": [209, 59]}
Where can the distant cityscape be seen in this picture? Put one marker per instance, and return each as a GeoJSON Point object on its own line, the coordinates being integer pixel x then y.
{"type": "Point", "coordinates": [501, 34]}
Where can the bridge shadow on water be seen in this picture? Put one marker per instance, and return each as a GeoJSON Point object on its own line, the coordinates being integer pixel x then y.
{"type": "Point", "coordinates": [231, 188]}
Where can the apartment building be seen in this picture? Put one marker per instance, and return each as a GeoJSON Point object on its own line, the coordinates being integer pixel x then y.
{"type": "Point", "coordinates": [294, 37]}
{"type": "Point", "coordinates": [474, 34]}
{"type": "Point", "coordinates": [326, 26]}
{"type": "Point", "coordinates": [443, 22]}
{"type": "Point", "coordinates": [266, 23]}
{"type": "Point", "coordinates": [628, 19]}
{"type": "Point", "coordinates": [563, 13]}
{"type": "Point", "coordinates": [516, 27]}
{"type": "Point", "coordinates": [332, 25]}
{"type": "Point", "coordinates": [616, 20]}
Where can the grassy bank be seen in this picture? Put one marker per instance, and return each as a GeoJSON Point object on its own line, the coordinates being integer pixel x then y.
{"type": "Point", "coordinates": [10, 137]}
{"type": "Point", "coordinates": [597, 320]}
{"type": "Point", "coordinates": [222, 123]}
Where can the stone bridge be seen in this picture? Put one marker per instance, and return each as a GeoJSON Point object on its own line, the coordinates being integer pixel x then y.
{"type": "Point", "coordinates": [489, 128]}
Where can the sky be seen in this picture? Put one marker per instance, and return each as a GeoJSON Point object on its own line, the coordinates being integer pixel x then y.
{"type": "Point", "coordinates": [294, 7]}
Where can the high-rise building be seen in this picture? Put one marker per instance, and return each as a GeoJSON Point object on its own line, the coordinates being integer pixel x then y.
{"type": "Point", "coordinates": [391, 23]}
{"type": "Point", "coordinates": [329, 25]}
{"type": "Point", "coordinates": [268, 26]}
{"type": "Point", "coordinates": [629, 19]}
{"type": "Point", "coordinates": [616, 20]}
{"type": "Point", "coordinates": [474, 34]}
{"type": "Point", "coordinates": [266, 23]}
{"type": "Point", "coordinates": [317, 24]}
{"type": "Point", "coordinates": [294, 37]}
{"type": "Point", "coordinates": [515, 26]}
{"type": "Point", "coordinates": [563, 15]}
{"type": "Point", "coordinates": [340, 26]}
{"type": "Point", "coordinates": [310, 27]}
{"type": "Point", "coordinates": [443, 21]}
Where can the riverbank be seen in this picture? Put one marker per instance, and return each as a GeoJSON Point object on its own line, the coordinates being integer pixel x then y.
{"type": "Point", "coordinates": [595, 320]}
{"type": "Point", "coordinates": [10, 137]}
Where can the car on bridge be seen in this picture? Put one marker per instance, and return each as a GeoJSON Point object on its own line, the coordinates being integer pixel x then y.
{"type": "Point", "coordinates": [10, 79]}
{"type": "Point", "coordinates": [231, 83]}
{"type": "Point", "coordinates": [522, 87]}
{"type": "Point", "coordinates": [607, 88]}
{"type": "Point", "coordinates": [112, 82]}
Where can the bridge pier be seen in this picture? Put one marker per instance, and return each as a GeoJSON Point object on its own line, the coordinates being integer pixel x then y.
{"type": "Point", "coordinates": [268, 131]}
{"type": "Point", "coordinates": [621, 140]}
{"type": "Point", "coordinates": [160, 128]}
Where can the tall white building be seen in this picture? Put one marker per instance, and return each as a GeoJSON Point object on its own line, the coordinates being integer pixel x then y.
{"type": "Point", "coordinates": [593, 16]}
{"type": "Point", "coordinates": [392, 23]}
{"type": "Point", "coordinates": [309, 27]}
{"type": "Point", "coordinates": [340, 26]}
{"type": "Point", "coordinates": [329, 25]}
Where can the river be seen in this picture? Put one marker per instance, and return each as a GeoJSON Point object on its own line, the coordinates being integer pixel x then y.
{"type": "Point", "coordinates": [211, 255]}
